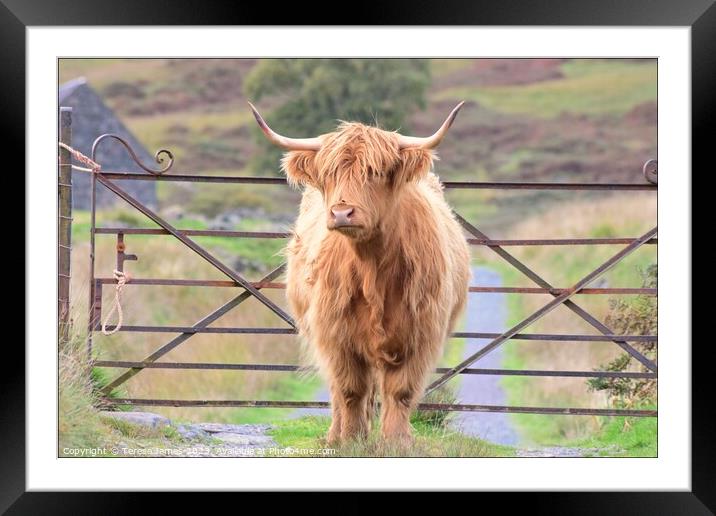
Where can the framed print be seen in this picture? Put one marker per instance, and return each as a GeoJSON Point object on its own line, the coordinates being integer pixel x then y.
{"type": "Point", "coordinates": [423, 256]}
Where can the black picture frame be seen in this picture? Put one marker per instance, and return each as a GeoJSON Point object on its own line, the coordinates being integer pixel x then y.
{"type": "Point", "coordinates": [700, 15]}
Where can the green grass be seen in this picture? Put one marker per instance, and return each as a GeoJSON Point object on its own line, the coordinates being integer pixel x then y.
{"type": "Point", "coordinates": [291, 387]}
{"type": "Point", "coordinates": [309, 433]}
{"type": "Point", "coordinates": [589, 86]}
{"type": "Point", "coordinates": [148, 127]}
{"type": "Point", "coordinates": [185, 132]}
{"type": "Point", "coordinates": [264, 251]}
{"type": "Point", "coordinates": [629, 437]}
{"type": "Point", "coordinates": [473, 204]}
{"type": "Point", "coordinates": [81, 426]}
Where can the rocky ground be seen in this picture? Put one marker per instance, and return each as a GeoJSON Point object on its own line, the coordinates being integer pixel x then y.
{"type": "Point", "coordinates": [228, 440]}
{"type": "Point", "coordinates": [198, 439]}
{"type": "Point", "coordinates": [561, 451]}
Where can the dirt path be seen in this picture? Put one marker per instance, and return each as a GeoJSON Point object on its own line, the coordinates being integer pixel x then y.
{"type": "Point", "coordinates": [485, 312]}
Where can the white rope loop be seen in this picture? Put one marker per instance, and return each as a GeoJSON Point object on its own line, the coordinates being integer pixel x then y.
{"type": "Point", "coordinates": [94, 166]}
{"type": "Point", "coordinates": [122, 279]}
{"type": "Point", "coordinates": [119, 276]}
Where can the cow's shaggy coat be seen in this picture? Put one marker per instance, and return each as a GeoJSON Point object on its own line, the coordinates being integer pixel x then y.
{"type": "Point", "coordinates": [375, 303]}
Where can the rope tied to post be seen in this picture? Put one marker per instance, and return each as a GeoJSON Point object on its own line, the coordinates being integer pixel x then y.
{"type": "Point", "coordinates": [94, 166]}
{"type": "Point", "coordinates": [121, 279]}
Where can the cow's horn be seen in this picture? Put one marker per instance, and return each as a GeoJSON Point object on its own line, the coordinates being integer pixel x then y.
{"type": "Point", "coordinates": [430, 142]}
{"type": "Point", "coordinates": [283, 141]}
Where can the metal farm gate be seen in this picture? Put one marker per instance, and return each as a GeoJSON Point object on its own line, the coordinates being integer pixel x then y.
{"type": "Point", "coordinates": [561, 296]}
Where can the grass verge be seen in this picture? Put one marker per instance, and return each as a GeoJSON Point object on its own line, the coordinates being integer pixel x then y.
{"type": "Point", "coordinates": [82, 429]}
{"type": "Point", "coordinates": [308, 433]}
{"type": "Point", "coordinates": [622, 436]}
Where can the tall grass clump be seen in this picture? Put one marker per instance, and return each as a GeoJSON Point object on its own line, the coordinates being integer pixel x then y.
{"type": "Point", "coordinates": [79, 421]}
{"type": "Point", "coordinates": [436, 419]}
{"type": "Point", "coordinates": [308, 433]}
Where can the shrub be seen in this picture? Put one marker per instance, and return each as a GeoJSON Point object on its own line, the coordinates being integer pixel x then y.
{"type": "Point", "coordinates": [638, 317]}
{"type": "Point", "coordinates": [79, 424]}
{"type": "Point", "coordinates": [436, 418]}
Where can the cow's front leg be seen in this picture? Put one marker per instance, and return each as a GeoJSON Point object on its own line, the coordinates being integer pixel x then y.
{"type": "Point", "coordinates": [334, 432]}
{"type": "Point", "coordinates": [350, 380]}
{"type": "Point", "coordinates": [400, 392]}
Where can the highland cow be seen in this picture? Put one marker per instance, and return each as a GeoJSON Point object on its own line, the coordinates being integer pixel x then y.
{"type": "Point", "coordinates": [378, 268]}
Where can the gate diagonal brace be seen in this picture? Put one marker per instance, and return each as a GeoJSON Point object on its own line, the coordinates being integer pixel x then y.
{"type": "Point", "coordinates": [574, 307]}
{"type": "Point", "coordinates": [228, 271]}
{"type": "Point", "coordinates": [542, 311]}
{"type": "Point", "coordinates": [179, 339]}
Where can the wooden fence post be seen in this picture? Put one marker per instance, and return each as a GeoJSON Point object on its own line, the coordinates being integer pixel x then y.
{"type": "Point", "coordinates": [64, 187]}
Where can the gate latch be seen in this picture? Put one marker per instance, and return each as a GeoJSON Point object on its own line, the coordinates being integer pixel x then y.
{"type": "Point", "coordinates": [121, 255]}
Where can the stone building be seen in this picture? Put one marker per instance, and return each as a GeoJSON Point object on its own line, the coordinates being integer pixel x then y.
{"type": "Point", "coordinates": [90, 119]}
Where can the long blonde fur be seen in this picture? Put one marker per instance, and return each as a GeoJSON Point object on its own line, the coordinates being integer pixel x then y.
{"type": "Point", "coordinates": [375, 307]}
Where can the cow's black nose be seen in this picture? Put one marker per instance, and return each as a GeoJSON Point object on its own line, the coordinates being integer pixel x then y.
{"type": "Point", "coordinates": [342, 215]}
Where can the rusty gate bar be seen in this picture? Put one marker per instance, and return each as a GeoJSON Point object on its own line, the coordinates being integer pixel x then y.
{"type": "Point", "coordinates": [194, 283]}
{"type": "Point", "coordinates": [510, 185]}
{"type": "Point", "coordinates": [64, 229]}
{"type": "Point", "coordinates": [192, 329]}
{"type": "Point", "coordinates": [265, 234]}
{"type": "Point", "coordinates": [584, 291]}
{"type": "Point", "coordinates": [166, 348]}
{"type": "Point", "coordinates": [557, 337]}
{"type": "Point", "coordinates": [568, 303]}
{"type": "Point", "coordinates": [438, 370]}
{"type": "Point", "coordinates": [560, 295]}
{"type": "Point", "coordinates": [477, 185]}
{"type": "Point", "coordinates": [542, 311]}
{"type": "Point", "coordinates": [554, 241]}
{"type": "Point", "coordinates": [280, 285]}
{"type": "Point", "coordinates": [193, 232]}
{"type": "Point", "coordinates": [422, 406]}
{"type": "Point", "coordinates": [460, 334]}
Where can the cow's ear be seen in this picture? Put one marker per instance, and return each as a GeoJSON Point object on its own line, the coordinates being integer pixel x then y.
{"type": "Point", "coordinates": [299, 167]}
{"type": "Point", "coordinates": [414, 165]}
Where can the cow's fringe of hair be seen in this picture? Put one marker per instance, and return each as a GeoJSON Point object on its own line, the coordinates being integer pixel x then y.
{"type": "Point", "coordinates": [357, 152]}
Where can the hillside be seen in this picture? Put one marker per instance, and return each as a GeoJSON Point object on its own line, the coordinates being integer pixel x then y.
{"type": "Point", "coordinates": [532, 119]}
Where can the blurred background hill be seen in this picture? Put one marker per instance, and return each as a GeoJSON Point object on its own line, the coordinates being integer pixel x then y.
{"type": "Point", "coordinates": [530, 119]}
{"type": "Point", "coordinates": [537, 120]}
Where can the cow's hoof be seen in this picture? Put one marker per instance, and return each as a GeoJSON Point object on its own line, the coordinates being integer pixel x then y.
{"type": "Point", "coordinates": [332, 440]}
